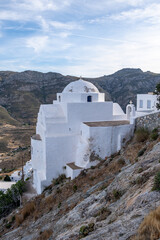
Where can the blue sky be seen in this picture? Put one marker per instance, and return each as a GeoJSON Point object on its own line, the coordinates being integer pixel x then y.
{"type": "Point", "coordinates": [79, 37]}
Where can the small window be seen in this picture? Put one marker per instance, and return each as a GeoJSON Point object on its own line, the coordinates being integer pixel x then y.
{"type": "Point", "coordinates": [148, 104]}
{"type": "Point", "coordinates": [140, 103]}
{"type": "Point", "coordinates": [89, 99]}
{"type": "Point", "coordinates": [59, 98]}
{"type": "Point", "coordinates": [31, 150]}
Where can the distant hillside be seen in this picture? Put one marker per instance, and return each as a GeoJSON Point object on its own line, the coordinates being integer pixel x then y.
{"type": "Point", "coordinates": [5, 118]}
{"type": "Point", "coordinates": [22, 93]}
{"type": "Point", "coordinates": [124, 85]}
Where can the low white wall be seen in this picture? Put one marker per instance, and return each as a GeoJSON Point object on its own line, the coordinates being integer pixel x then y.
{"type": "Point", "coordinates": [72, 173]}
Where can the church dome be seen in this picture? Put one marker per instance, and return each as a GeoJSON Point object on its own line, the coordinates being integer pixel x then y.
{"type": "Point", "coordinates": [80, 86]}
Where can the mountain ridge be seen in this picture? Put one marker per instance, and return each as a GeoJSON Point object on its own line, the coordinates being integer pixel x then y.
{"type": "Point", "coordinates": [21, 93]}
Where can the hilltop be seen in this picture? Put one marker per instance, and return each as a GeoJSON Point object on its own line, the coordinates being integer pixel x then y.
{"type": "Point", "coordinates": [108, 201]}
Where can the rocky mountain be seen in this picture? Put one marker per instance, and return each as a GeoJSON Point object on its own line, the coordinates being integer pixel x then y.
{"type": "Point", "coordinates": [22, 93]}
{"type": "Point", "coordinates": [106, 202]}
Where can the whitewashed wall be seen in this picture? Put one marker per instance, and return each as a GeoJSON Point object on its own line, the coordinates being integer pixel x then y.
{"type": "Point", "coordinates": [60, 150]}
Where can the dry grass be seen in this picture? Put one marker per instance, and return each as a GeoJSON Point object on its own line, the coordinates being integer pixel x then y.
{"type": "Point", "coordinates": [57, 199]}
{"type": "Point", "coordinates": [49, 200]}
{"type": "Point", "coordinates": [27, 210]}
{"type": "Point", "coordinates": [150, 227]}
{"type": "Point", "coordinates": [45, 235]}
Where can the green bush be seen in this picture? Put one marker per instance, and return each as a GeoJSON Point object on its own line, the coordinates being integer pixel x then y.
{"type": "Point", "coordinates": [86, 229]}
{"type": "Point", "coordinates": [7, 178]}
{"type": "Point", "coordinates": [156, 186]}
{"type": "Point", "coordinates": [116, 194]}
{"type": "Point", "coordinates": [142, 179]}
{"type": "Point", "coordinates": [59, 204]}
{"type": "Point", "coordinates": [140, 170]}
{"type": "Point", "coordinates": [74, 188]}
{"type": "Point", "coordinates": [11, 198]}
{"type": "Point", "coordinates": [93, 167]}
{"type": "Point", "coordinates": [59, 180]}
{"type": "Point", "coordinates": [141, 152]}
{"type": "Point", "coordinates": [154, 134]}
{"type": "Point", "coordinates": [141, 134]}
{"type": "Point", "coordinates": [8, 225]}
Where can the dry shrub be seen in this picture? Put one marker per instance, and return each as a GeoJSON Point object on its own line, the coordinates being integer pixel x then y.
{"type": "Point", "coordinates": [102, 214]}
{"type": "Point", "coordinates": [19, 219]}
{"type": "Point", "coordinates": [49, 200]}
{"type": "Point", "coordinates": [25, 212]}
{"type": "Point", "coordinates": [113, 167]}
{"type": "Point", "coordinates": [45, 235]}
{"type": "Point", "coordinates": [36, 215]}
{"type": "Point", "coordinates": [28, 209]}
{"type": "Point", "coordinates": [150, 227]}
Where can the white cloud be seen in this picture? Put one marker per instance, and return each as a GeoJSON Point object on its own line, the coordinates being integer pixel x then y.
{"type": "Point", "coordinates": [38, 43]}
{"type": "Point", "coordinates": [40, 5]}
{"type": "Point", "coordinates": [66, 26]}
{"type": "Point", "coordinates": [150, 13]}
{"type": "Point", "coordinates": [12, 15]}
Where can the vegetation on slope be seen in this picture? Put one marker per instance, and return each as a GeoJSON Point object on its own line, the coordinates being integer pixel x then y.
{"type": "Point", "coordinates": [117, 180]}
{"type": "Point", "coordinates": [11, 199]}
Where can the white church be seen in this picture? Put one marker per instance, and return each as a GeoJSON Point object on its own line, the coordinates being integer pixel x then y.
{"type": "Point", "coordinates": [75, 132]}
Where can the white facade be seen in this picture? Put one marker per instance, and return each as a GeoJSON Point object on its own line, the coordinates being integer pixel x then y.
{"type": "Point", "coordinates": [146, 102]}
{"type": "Point", "coordinates": [4, 186]}
{"type": "Point", "coordinates": [75, 132]}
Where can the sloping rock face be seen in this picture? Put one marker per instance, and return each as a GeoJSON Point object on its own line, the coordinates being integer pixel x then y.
{"type": "Point", "coordinates": [114, 206]}
{"type": "Point", "coordinates": [127, 212]}
{"type": "Point", "coordinates": [22, 93]}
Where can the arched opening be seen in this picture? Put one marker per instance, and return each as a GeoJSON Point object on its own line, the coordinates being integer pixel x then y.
{"type": "Point", "coordinates": [59, 98]}
{"type": "Point", "coordinates": [89, 99]}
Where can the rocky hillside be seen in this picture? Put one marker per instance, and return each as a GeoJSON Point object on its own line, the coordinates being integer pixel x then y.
{"type": "Point", "coordinates": [22, 93]}
{"type": "Point", "coordinates": [108, 201]}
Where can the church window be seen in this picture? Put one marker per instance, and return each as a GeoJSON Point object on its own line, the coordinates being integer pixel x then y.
{"type": "Point", "coordinates": [140, 103]}
{"type": "Point", "coordinates": [89, 99]}
{"type": "Point", "coordinates": [148, 104]}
